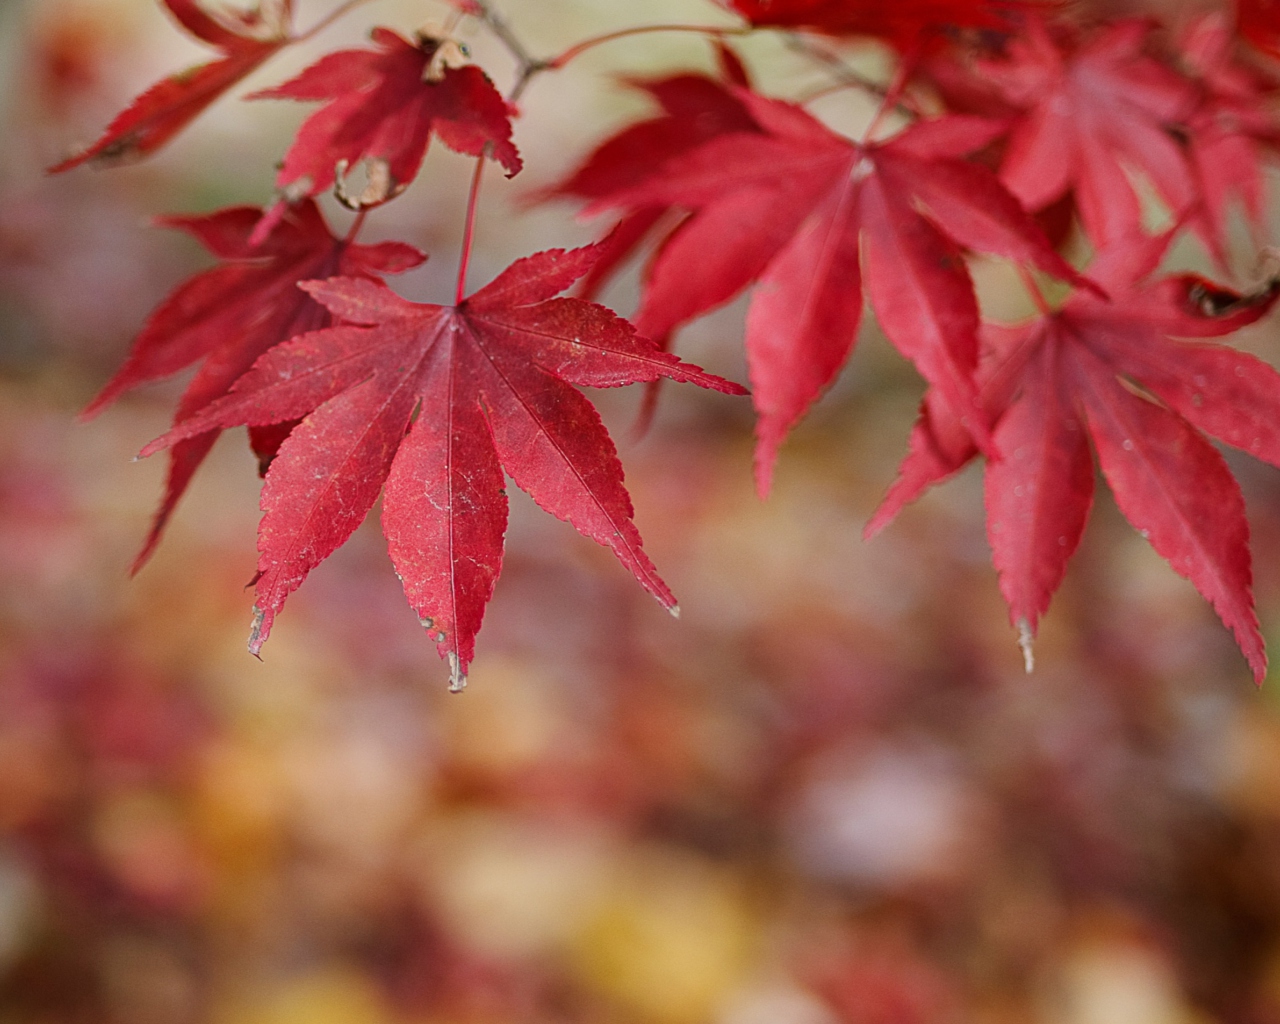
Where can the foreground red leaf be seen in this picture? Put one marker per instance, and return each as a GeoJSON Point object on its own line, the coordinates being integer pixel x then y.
{"type": "Point", "coordinates": [1109, 373]}
{"type": "Point", "coordinates": [230, 315]}
{"type": "Point", "coordinates": [246, 40]}
{"type": "Point", "coordinates": [382, 106]}
{"type": "Point", "coordinates": [796, 208]}
{"type": "Point", "coordinates": [435, 402]}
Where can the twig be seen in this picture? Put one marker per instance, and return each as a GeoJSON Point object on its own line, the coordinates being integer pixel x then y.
{"type": "Point", "coordinates": [528, 65]}
{"type": "Point", "coordinates": [846, 76]}
{"type": "Point", "coordinates": [625, 33]}
{"type": "Point", "coordinates": [338, 12]}
{"type": "Point", "coordinates": [498, 24]}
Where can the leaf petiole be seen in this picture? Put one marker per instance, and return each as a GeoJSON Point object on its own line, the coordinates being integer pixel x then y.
{"type": "Point", "coordinates": [356, 225]}
{"type": "Point", "coordinates": [469, 234]}
{"type": "Point", "coordinates": [893, 95]}
{"type": "Point", "coordinates": [1033, 289]}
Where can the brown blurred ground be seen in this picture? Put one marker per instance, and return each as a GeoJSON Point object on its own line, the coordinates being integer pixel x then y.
{"type": "Point", "coordinates": [827, 795]}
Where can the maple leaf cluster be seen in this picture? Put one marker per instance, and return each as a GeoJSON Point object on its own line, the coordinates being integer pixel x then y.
{"type": "Point", "coordinates": [1003, 124]}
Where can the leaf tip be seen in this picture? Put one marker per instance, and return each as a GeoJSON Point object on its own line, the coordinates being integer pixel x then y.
{"type": "Point", "coordinates": [149, 449]}
{"type": "Point", "coordinates": [94, 408]}
{"type": "Point", "coordinates": [258, 631]}
{"type": "Point", "coordinates": [457, 676]}
{"type": "Point", "coordinates": [1257, 659]}
{"type": "Point", "coordinates": [1026, 638]}
{"type": "Point", "coordinates": [765, 457]}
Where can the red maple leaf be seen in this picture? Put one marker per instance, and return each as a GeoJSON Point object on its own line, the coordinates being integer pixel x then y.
{"type": "Point", "coordinates": [1259, 22]}
{"type": "Point", "coordinates": [230, 315]}
{"type": "Point", "coordinates": [795, 208]}
{"type": "Point", "coordinates": [902, 22]}
{"type": "Point", "coordinates": [695, 109]}
{"type": "Point", "coordinates": [436, 401]}
{"type": "Point", "coordinates": [382, 107]}
{"type": "Point", "coordinates": [1230, 132]}
{"type": "Point", "coordinates": [246, 39]}
{"type": "Point", "coordinates": [1109, 373]}
{"type": "Point", "coordinates": [1088, 111]}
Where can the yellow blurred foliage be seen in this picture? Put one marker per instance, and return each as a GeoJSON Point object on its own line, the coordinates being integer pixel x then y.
{"type": "Point", "coordinates": [327, 996]}
{"type": "Point", "coordinates": [671, 938]}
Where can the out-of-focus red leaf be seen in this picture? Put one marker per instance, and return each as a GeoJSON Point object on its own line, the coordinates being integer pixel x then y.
{"type": "Point", "coordinates": [246, 40]}
{"type": "Point", "coordinates": [230, 315]}
{"type": "Point", "coordinates": [695, 109]}
{"type": "Point", "coordinates": [1231, 131]}
{"type": "Point", "coordinates": [1259, 22]}
{"type": "Point", "coordinates": [382, 106]}
{"type": "Point", "coordinates": [1090, 111]}
{"type": "Point", "coordinates": [902, 22]}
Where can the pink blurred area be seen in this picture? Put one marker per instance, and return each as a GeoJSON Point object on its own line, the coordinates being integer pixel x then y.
{"type": "Point", "coordinates": [828, 794]}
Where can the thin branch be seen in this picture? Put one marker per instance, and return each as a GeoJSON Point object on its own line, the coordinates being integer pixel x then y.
{"type": "Point", "coordinates": [528, 65]}
{"type": "Point", "coordinates": [847, 75]}
{"type": "Point", "coordinates": [526, 75]}
{"type": "Point", "coordinates": [609, 37]}
{"type": "Point", "coordinates": [340, 11]}
{"type": "Point", "coordinates": [498, 25]}
{"type": "Point", "coordinates": [828, 90]}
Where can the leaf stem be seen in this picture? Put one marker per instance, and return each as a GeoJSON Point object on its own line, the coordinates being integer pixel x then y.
{"type": "Point", "coordinates": [341, 10]}
{"type": "Point", "coordinates": [893, 94]}
{"type": "Point", "coordinates": [356, 225]}
{"type": "Point", "coordinates": [469, 235]}
{"type": "Point", "coordinates": [1033, 289]}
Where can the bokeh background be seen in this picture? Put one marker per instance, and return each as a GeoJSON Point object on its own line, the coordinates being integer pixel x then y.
{"type": "Point", "coordinates": [828, 794]}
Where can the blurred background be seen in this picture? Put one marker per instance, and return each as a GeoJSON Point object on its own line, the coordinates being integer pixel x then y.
{"type": "Point", "coordinates": [828, 794]}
